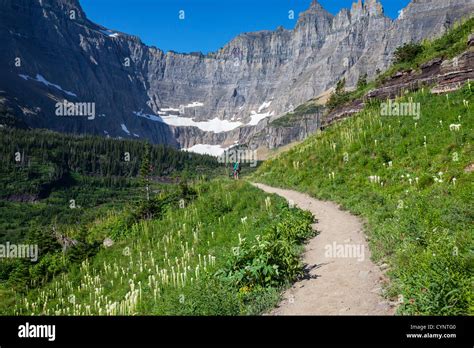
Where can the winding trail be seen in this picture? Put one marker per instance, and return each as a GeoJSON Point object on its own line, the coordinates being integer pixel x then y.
{"type": "Point", "coordinates": [348, 284]}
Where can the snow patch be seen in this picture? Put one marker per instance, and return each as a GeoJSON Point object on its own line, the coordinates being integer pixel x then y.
{"type": "Point", "coordinates": [215, 125]}
{"type": "Point", "coordinates": [27, 111]}
{"type": "Point", "coordinates": [205, 149]}
{"type": "Point", "coordinates": [109, 33]}
{"type": "Point", "coordinates": [169, 109]}
{"type": "Point", "coordinates": [148, 116]}
{"type": "Point", "coordinates": [255, 117]}
{"type": "Point", "coordinates": [264, 106]}
{"type": "Point", "coordinates": [194, 105]}
{"type": "Point", "coordinates": [40, 78]}
{"type": "Point", "coordinates": [124, 128]}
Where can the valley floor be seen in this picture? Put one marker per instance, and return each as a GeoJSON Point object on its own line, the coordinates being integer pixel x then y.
{"type": "Point", "coordinates": [339, 283]}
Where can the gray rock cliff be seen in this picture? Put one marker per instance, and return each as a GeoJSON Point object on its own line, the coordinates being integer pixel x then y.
{"type": "Point", "coordinates": [52, 52]}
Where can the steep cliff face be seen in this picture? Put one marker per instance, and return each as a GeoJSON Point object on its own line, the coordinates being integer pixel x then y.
{"type": "Point", "coordinates": [53, 52]}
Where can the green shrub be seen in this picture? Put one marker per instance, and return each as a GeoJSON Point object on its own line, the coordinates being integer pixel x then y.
{"type": "Point", "coordinates": [273, 259]}
{"type": "Point", "coordinates": [407, 53]}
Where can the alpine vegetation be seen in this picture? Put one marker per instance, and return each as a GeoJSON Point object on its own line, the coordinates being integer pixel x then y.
{"type": "Point", "coordinates": [192, 260]}
{"type": "Point", "coordinates": [132, 179]}
{"type": "Point", "coordinates": [412, 180]}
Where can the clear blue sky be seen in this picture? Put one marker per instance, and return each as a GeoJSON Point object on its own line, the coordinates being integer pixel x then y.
{"type": "Point", "coordinates": [208, 24]}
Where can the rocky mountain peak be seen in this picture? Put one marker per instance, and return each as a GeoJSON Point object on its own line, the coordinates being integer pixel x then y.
{"type": "Point", "coordinates": [315, 15]}
{"type": "Point", "coordinates": [69, 8]}
{"type": "Point", "coordinates": [315, 10]}
{"type": "Point", "coordinates": [372, 8]}
{"type": "Point", "coordinates": [356, 10]}
{"type": "Point", "coordinates": [315, 5]}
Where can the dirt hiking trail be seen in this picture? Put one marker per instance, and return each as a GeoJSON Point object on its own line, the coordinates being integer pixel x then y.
{"type": "Point", "coordinates": [348, 284]}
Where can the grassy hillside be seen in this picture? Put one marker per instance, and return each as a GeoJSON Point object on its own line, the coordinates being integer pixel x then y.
{"type": "Point", "coordinates": [228, 251]}
{"type": "Point", "coordinates": [412, 181]}
{"type": "Point", "coordinates": [54, 184]}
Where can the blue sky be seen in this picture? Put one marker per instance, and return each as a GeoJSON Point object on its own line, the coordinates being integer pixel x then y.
{"type": "Point", "coordinates": [208, 24]}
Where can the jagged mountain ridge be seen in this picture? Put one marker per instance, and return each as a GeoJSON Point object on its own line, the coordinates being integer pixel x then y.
{"type": "Point", "coordinates": [253, 78]}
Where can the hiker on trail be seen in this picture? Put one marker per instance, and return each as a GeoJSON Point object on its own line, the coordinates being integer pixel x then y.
{"type": "Point", "coordinates": [236, 170]}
